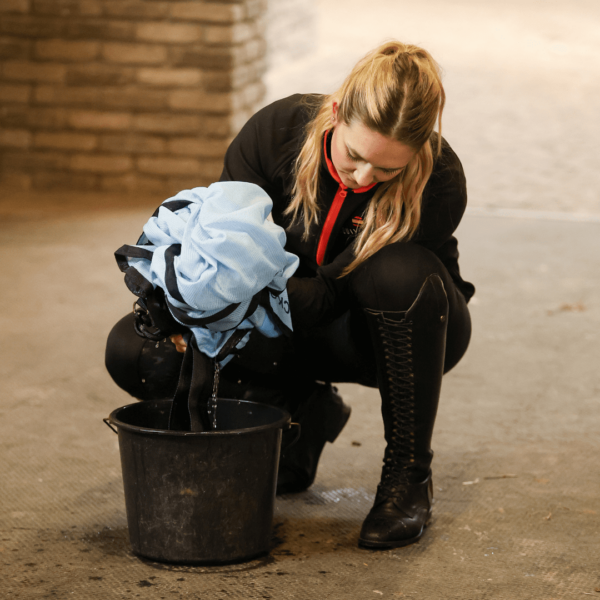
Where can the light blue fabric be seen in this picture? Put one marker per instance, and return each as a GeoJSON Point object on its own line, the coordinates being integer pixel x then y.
{"type": "Point", "coordinates": [230, 251]}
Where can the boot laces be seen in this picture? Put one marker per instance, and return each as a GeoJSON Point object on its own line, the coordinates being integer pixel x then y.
{"type": "Point", "coordinates": [399, 455]}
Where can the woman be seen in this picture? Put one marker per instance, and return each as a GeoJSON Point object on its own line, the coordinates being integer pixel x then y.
{"type": "Point", "coordinates": [369, 196]}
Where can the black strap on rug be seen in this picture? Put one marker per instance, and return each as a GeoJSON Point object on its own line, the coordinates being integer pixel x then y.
{"type": "Point", "coordinates": [194, 403]}
{"type": "Point", "coordinates": [189, 411]}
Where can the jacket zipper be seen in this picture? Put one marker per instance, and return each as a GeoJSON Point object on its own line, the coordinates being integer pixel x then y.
{"type": "Point", "coordinates": [332, 216]}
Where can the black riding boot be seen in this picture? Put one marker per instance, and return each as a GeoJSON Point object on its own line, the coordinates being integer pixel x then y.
{"type": "Point", "coordinates": [409, 351]}
{"type": "Point", "coordinates": [322, 415]}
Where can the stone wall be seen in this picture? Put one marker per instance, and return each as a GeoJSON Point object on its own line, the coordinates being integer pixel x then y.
{"type": "Point", "coordinates": [125, 94]}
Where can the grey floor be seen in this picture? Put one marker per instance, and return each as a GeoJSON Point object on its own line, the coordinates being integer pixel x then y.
{"type": "Point", "coordinates": [516, 474]}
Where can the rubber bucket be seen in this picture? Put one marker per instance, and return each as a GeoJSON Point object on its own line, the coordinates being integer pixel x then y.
{"type": "Point", "coordinates": [204, 497]}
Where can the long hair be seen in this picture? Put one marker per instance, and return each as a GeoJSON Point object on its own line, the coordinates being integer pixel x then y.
{"type": "Point", "coordinates": [395, 90]}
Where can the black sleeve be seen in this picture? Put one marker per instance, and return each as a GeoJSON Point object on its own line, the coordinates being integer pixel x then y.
{"type": "Point", "coordinates": [444, 204]}
{"type": "Point", "coordinates": [444, 200]}
{"type": "Point", "coordinates": [318, 300]}
{"type": "Point", "coordinates": [265, 150]}
{"type": "Point", "coordinates": [243, 160]}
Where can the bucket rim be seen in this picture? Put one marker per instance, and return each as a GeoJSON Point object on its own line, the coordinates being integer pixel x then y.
{"type": "Point", "coordinates": [284, 422]}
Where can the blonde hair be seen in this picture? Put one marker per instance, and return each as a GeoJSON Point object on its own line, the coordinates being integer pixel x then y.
{"type": "Point", "coordinates": [395, 90]}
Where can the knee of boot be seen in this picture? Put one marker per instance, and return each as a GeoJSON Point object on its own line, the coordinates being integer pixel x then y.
{"type": "Point", "coordinates": [391, 279]}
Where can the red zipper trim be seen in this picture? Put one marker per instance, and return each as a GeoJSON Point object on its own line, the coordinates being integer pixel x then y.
{"type": "Point", "coordinates": [332, 215]}
{"type": "Point", "coordinates": [336, 205]}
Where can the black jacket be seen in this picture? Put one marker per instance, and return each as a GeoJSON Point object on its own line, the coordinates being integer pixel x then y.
{"type": "Point", "coordinates": [264, 153]}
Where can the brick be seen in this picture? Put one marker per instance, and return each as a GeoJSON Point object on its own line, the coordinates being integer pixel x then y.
{"type": "Point", "coordinates": [219, 57]}
{"type": "Point", "coordinates": [99, 120]}
{"type": "Point", "coordinates": [225, 81]}
{"type": "Point", "coordinates": [102, 97]}
{"type": "Point", "coordinates": [229, 34]}
{"type": "Point", "coordinates": [133, 143]}
{"type": "Point", "coordinates": [169, 33]}
{"type": "Point", "coordinates": [67, 8]}
{"type": "Point", "coordinates": [14, 48]}
{"type": "Point", "coordinates": [139, 10]}
{"type": "Point", "coordinates": [30, 161]}
{"type": "Point", "coordinates": [219, 34]}
{"type": "Point", "coordinates": [109, 97]}
{"type": "Point", "coordinates": [31, 117]}
{"type": "Point", "coordinates": [219, 80]}
{"type": "Point", "coordinates": [255, 8]}
{"type": "Point", "coordinates": [100, 30]}
{"type": "Point", "coordinates": [169, 77]}
{"type": "Point", "coordinates": [134, 98]}
{"type": "Point", "coordinates": [207, 12]}
{"type": "Point", "coordinates": [211, 169]}
{"type": "Point", "coordinates": [204, 57]}
{"type": "Point", "coordinates": [14, 181]}
{"type": "Point", "coordinates": [15, 92]}
{"type": "Point", "coordinates": [217, 103]}
{"type": "Point", "coordinates": [29, 71]}
{"type": "Point", "coordinates": [168, 165]}
{"type": "Point", "coordinates": [198, 100]}
{"type": "Point", "coordinates": [167, 123]}
{"type": "Point", "coordinates": [14, 6]}
{"type": "Point", "coordinates": [64, 180]}
{"type": "Point", "coordinates": [217, 126]}
{"type": "Point", "coordinates": [179, 182]}
{"type": "Point", "coordinates": [136, 182]}
{"type": "Point", "coordinates": [15, 138]}
{"type": "Point", "coordinates": [30, 26]}
{"type": "Point", "coordinates": [195, 146]}
{"type": "Point", "coordinates": [61, 95]}
{"type": "Point", "coordinates": [99, 74]}
{"type": "Point", "coordinates": [134, 53]}
{"type": "Point", "coordinates": [101, 163]}
{"type": "Point", "coordinates": [64, 140]}
{"type": "Point", "coordinates": [250, 51]}
{"type": "Point", "coordinates": [69, 50]}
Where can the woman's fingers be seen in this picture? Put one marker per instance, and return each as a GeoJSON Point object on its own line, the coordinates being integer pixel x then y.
{"type": "Point", "coordinates": [179, 342]}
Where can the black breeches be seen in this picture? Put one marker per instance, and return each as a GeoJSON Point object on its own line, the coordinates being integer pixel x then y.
{"type": "Point", "coordinates": [388, 281]}
{"type": "Point", "coordinates": [339, 352]}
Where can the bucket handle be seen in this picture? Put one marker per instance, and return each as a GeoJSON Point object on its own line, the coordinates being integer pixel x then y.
{"type": "Point", "coordinates": [109, 425]}
{"type": "Point", "coordinates": [296, 436]}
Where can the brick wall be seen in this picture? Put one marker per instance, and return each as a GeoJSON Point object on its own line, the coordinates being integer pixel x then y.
{"type": "Point", "coordinates": [125, 94]}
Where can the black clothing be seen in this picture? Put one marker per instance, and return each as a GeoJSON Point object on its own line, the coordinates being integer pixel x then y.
{"type": "Point", "coordinates": [331, 341]}
{"type": "Point", "coordinates": [341, 351]}
{"type": "Point", "coordinates": [397, 322]}
{"type": "Point", "coordinates": [264, 153]}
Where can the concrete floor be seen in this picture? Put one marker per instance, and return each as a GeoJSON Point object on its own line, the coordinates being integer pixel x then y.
{"type": "Point", "coordinates": [517, 479]}
{"type": "Point", "coordinates": [516, 475]}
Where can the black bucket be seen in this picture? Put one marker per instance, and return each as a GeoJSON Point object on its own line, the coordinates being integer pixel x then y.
{"type": "Point", "coordinates": [200, 497]}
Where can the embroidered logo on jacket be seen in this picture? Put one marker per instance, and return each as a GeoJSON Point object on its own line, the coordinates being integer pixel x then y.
{"type": "Point", "coordinates": [356, 225]}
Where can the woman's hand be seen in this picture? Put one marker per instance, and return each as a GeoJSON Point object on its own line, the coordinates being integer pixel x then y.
{"type": "Point", "coordinates": [179, 342]}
